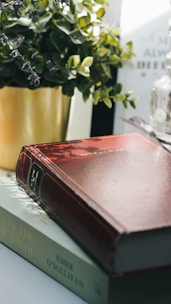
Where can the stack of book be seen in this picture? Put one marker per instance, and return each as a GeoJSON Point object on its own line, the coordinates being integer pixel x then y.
{"type": "Point", "coordinates": [95, 214]}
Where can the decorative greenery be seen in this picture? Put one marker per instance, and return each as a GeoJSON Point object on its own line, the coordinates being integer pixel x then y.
{"type": "Point", "coordinates": [50, 43]}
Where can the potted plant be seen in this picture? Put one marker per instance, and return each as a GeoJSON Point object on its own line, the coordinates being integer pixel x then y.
{"type": "Point", "coordinates": [59, 44]}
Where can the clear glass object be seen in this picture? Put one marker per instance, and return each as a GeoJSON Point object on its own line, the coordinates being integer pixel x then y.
{"type": "Point", "coordinates": [160, 105]}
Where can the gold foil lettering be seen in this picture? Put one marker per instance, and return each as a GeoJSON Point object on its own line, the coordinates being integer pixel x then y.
{"type": "Point", "coordinates": [33, 179]}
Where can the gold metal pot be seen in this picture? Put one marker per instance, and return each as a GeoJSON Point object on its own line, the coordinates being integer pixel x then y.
{"type": "Point", "coordinates": [29, 117]}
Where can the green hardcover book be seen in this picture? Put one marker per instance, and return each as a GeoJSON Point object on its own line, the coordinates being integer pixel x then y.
{"type": "Point", "coordinates": [28, 230]}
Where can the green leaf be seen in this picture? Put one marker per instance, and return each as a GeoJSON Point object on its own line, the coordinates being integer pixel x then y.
{"type": "Point", "coordinates": [77, 36]}
{"type": "Point", "coordinates": [84, 21]}
{"type": "Point", "coordinates": [100, 13]}
{"type": "Point", "coordinates": [86, 94]}
{"type": "Point", "coordinates": [87, 62]}
{"type": "Point", "coordinates": [133, 102]}
{"type": "Point", "coordinates": [119, 97]}
{"type": "Point", "coordinates": [41, 25]}
{"type": "Point", "coordinates": [96, 97]}
{"type": "Point", "coordinates": [60, 46]}
{"type": "Point", "coordinates": [63, 26]}
{"type": "Point", "coordinates": [54, 77]}
{"type": "Point", "coordinates": [106, 2]}
{"type": "Point", "coordinates": [127, 51]}
{"type": "Point", "coordinates": [106, 71]}
{"type": "Point", "coordinates": [57, 60]}
{"type": "Point", "coordinates": [114, 59]}
{"type": "Point", "coordinates": [107, 102]}
{"type": "Point", "coordinates": [84, 71]}
{"type": "Point", "coordinates": [68, 89]}
{"type": "Point", "coordinates": [125, 103]}
{"type": "Point", "coordinates": [73, 61]}
{"type": "Point", "coordinates": [67, 16]}
{"type": "Point", "coordinates": [117, 88]}
{"type": "Point", "coordinates": [102, 51]}
{"type": "Point", "coordinates": [24, 21]}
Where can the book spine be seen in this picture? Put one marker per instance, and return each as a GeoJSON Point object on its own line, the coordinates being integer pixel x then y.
{"type": "Point", "coordinates": [66, 207]}
{"type": "Point", "coordinates": [85, 280]}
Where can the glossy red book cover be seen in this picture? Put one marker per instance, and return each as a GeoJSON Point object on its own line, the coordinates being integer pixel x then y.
{"type": "Point", "coordinates": [102, 190]}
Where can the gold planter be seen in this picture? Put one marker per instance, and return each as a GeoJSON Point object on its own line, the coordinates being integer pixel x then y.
{"type": "Point", "coordinates": [28, 117]}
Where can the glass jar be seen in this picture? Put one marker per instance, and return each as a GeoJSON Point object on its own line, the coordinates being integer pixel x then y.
{"type": "Point", "coordinates": [160, 105]}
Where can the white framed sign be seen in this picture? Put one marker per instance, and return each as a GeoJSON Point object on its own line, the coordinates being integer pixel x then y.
{"type": "Point", "coordinates": [146, 24]}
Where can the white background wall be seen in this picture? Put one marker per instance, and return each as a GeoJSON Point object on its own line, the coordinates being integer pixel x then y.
{"type": "Point", "coordinates": [146, 23]}
{"type": "Point", "coordinates": [113, 12]}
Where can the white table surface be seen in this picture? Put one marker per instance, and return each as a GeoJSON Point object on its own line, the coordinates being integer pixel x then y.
{"type": "Point", "coordinates": [23, 283]}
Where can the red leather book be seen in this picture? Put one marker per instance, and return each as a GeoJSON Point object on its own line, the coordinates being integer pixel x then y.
{"type": "Point", "coordinates": [112, 194]}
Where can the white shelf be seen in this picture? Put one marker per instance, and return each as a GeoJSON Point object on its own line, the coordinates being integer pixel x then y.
{"type": "Point", "coordinates": [21, 282]}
